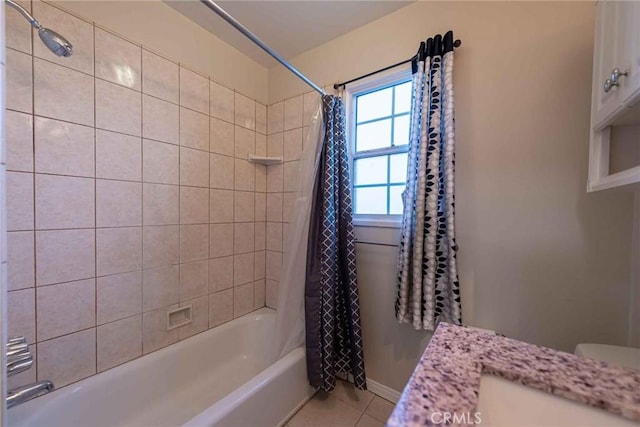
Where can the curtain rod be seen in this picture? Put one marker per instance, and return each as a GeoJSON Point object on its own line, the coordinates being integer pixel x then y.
{"type": "Point", "coordinates": [244, 30]}
{"type": "Point", "coordinates": [457, 43]}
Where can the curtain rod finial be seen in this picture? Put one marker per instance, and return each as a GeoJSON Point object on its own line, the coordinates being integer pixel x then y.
{"type": "Point", "coordinates": [457, 43]}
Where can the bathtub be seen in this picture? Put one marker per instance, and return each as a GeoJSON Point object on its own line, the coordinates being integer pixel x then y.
{"type": "Point", "coordinates": [226, 376]}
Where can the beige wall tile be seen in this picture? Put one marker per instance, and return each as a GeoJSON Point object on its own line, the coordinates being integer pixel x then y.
{"type": "Point", "coordinates": [273, 265]}
{"type": "Point", "coordinates": [64, 255]}
{"type": "Point", "coordinates": [79, 32]}
{"type": "Point", "coordinates": [194, 167]}
{"type": "Point", "coordinates": [194, 129]}
{"type": "Point", "coordinates": [221, 168]}
{"type": "Point", "coordinates": [118, 156]}
{"type": "Point", "coordinates": [199, 317]}
{"type": "Point", "coordinates": [160, 204]}
{"type": "Point", "coordinates": [259, 265]}
{"type": "Point", "coordinates": [243, 300]}
{"type": "Point", "coordinates": [275, 178]}
{"type": "Point", "coordinates": [220, 273]}
{"type": "Point", "coordinates": [288, 202]}
{"type": "Point", "coordinates": [65, 308]}
{"type": "Point", "coordinates": [19, 81]}
{"type": "Point", "coordinates": [244, 142]}
{"type": "Point", "coordinates": [20, 260]}
{"type": "Point", "coordinates": [194, 279]}
{"type": "Point", "coordinates": [258, 294]}
{"type": "Point", "coordinates": [244, 206]}
{"type": "Point", "coordinates": [17, 34]}
{"type": "Point", "coordinates": [160, 77]}
{"type": "Point", "coordinates": [287, 230]}
{"type": "Point", "coordinates": [243, 268]}
{"type": "Point", "coordinates": [21, 314]}
{"type": "Point", "coordinates": [119, 342]}
{"type": "Point", "coordinates": [160, 245]}
{"type": "Point", "coordinates": [194, 205]}
{"type": "Point", "coordinates": [275, 145]}
{"type": "Point", "coordinates": [119, 250]}
{"type": "Point", "coordinates": [243, 237]}
{"type": "Point", "coordinates": [118, 60]}
{"type": "Point", "coordinates": [311, 105]}
{"type": "Point", "coordinates": [261, 178]}
{"type": "Point", "coordinates": [293, 113]}
{"type": "Point", "coordinates": [161, 120]}
{"type": "Point", "coordinates": [64, 148]}
{"type": "Point", "coordinates": [118, 296]}
{"type": "Point", "coordinates": [220, 307]}
{"type": "Point", "coordinates": [19, 137]}
{"type": "Point", "coordinates": [274, 236]}
{"type": "Point", "coordinates": [67, 359]}
{"type": "Point", "coordinates": [261, 145]}
{"type": "Point", "coordinates": [244, 175]}
{"type": "Point", "coordinates": [160, 162]}
{"type": "Point", "coordinates": [221, 137]}
{"type": "Point", "coordinates": [20, 201]}
{"type": "Point", "coordinates": [271, 293]}
{"type": "Point", "coordinates": [260, 236]}
{"type": "Point", "coordinates": [245, 112]}
{"type": "Point", "coordinates": [220, 240]}
{"type": "Point", "coordinates": [221, 206]}
{"type": "Point", "coordinates": [275, 118]}
{"type": "Point", "coordinates": [291, 176]}
{"type": "Point", "coordinates": [72, 101]}
{"type": "Point", "coordinates": [154, 330]}
{"type": "Point", "coordinates": [160, 287]}
{"type": "Point", "coordinates": [222, 102]}
{"type": "Point", "coordinates": [292, 144]}
{"type": "Point", "coordinates": [274, 207]}
{"type": "Point", "coordinates": [261, 118]}
{"type": "Point", "coordinates": [194, 91]}
{"type": "Point", "coordinates": [118, 109]}
{"type": "Point", "coordinates": [64, 202]}
{"type": "Point", "coordinates": [194, 242]}
{"type": "Point", "coordinates": [261, 207]}
{"type": "Point", "coordinates": [118, 203]}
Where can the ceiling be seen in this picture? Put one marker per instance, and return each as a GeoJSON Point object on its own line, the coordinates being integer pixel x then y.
{"type": "Point", "coordinates": [289, 27]}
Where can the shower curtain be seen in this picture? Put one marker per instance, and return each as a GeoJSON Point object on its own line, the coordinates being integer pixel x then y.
{"type": "Point", "coordinates": [428, 290]}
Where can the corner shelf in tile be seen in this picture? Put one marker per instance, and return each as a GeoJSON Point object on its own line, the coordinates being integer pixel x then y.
{"type": "Point", "coordinates": [262, 160]}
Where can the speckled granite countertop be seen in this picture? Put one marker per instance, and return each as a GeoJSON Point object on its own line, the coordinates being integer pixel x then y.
{"type": "Point", "coordinates": [447, 378]}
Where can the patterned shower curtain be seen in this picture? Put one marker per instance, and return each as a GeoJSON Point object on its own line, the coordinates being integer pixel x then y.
{"type": "Point", "coordinates": [428, 288]}
{"type": "Point", "coordinates": [332, 308]}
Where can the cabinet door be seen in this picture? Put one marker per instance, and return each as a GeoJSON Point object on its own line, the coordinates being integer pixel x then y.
{"type": "Point", "coordinates": [609, 42]}
{"type": "Point", "coordinates": [629, 57]}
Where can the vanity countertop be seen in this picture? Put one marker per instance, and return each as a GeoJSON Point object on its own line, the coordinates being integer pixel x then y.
{"type": "Point", "coordinates": [447, 377]}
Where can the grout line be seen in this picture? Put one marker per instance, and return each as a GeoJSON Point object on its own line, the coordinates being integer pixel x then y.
{"type": "Point", "coordinates": [95, 204]}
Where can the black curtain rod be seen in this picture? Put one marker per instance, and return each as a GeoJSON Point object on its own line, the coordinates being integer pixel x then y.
{"type": "Point", "coordinates": [457, 43]}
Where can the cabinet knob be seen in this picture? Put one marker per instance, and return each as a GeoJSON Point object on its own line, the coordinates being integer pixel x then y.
{"type": "Point", "coordinates": [608, 84]}
{"type": "Point", "coordinates": [616, 74]}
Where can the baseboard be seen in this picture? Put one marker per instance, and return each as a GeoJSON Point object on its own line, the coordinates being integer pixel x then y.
{"type": "Point", "coordinates": [383, 391]}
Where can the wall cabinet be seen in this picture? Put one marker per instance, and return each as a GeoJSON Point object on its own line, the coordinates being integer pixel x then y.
{"type": "Point", "coordinates": [614, 157]}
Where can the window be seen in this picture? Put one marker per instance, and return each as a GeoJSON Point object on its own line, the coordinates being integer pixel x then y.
{"type": "Point", "coordinates": [379, 141]}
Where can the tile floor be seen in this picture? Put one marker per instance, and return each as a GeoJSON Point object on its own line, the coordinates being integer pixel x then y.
{"type": "Point", "coordinates": [345, 406]}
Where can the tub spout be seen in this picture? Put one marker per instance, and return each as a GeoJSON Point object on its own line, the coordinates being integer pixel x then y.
{"type": "Point", "coordinates": [23, 394]}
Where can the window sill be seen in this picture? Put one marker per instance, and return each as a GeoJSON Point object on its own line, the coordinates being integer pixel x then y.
{"type": "Point", "coordinates": [394, 221]}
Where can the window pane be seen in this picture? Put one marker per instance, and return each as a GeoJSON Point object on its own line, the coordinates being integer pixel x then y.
{"type": "Point", "coordinates": [403, 98]}
{"type": "Point", "coordinates": [398, 172]}
{"type": "Point", "coordinates": [372, 170]}
{"type": "Point", "coordinates": [401, 130]}
{"type": "Point", "coordinates": [371, 200]}
{"type": "Point", "coordinates": [373, 135]}
{"type": "Point", "coordinates": [374, 105]}
{"type": "Point", "coordinates": [395, 199]}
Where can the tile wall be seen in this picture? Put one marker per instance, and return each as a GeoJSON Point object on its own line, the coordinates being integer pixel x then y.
{"type": "Point", "coordinates": [129, 194]}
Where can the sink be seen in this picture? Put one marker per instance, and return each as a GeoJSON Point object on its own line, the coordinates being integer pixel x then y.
{"type": "Point", "coordinates": [509, 404]}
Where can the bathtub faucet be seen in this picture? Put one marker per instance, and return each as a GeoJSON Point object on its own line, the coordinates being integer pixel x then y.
{"type": "Point", "coordinates": [19, 359]}
{"type": "Point", "coordinates": [25, 393]}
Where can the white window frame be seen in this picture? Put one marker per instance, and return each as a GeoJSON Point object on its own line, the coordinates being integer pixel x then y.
{"type": "Point", "coordinates": [379, 81]}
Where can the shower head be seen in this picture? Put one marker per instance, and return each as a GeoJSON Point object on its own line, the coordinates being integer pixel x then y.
{"type": "Point", "coordinates": [54, 41]}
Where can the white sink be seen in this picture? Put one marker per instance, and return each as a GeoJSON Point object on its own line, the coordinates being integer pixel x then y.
{"type": "Point", "coordinates": [509, 404]}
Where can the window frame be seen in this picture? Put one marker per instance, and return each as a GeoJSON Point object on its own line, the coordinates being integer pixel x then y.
{"type": "Point", "coordinates": [362, 87]}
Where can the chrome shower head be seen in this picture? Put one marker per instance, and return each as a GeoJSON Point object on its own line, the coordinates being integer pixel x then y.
{"type": "Point", "coordinates": [55, 42]}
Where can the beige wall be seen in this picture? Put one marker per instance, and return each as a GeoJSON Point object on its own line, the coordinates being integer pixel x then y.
{"type": "Point", "coordinates": [163, 29]}
{"type": "Point", "coordinates": [634, 304]}
{"type": "Point", "coordinates": [540, 259]}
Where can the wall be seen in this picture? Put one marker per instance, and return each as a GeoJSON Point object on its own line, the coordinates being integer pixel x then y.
{"type": "Point", "coordinates": [634, 301]}
{"type": "Point", "coordinates": [540, 259]}
{"type": "Point", "coordinates": [129, 194]}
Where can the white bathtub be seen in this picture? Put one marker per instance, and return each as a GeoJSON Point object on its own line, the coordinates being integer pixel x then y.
{"type": "Point", "coordinates": [226, 376]}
